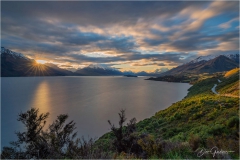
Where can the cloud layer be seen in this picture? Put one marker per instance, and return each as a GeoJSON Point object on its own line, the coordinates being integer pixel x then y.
{"type": "Point", "coordinates": [126, 35]}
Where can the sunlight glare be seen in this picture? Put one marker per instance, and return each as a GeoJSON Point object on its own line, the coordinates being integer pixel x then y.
{"type": "Point", "coordinates": [41, 61]}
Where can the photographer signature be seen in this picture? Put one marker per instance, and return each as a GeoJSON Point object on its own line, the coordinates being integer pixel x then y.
{"type": "Point", "coordinates": [214, 151]}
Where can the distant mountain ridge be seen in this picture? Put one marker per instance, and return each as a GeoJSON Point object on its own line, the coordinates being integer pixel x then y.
{"type": "Point", "coordinates": [63, 71]}
{"type": "Point", "coordinates": [13, 54]}
{"type": "Point", "coordinates": [234, 57]}
{"type": "Point", "coordinates": [206, 64]}
{"type": "Point", "coordinates": [102, 66]}
{"type": "Point", "coordinates": [98, 70]}
{"type": "Point", "coordinates": [15, 64]}
{"type": "Point", "coordinates": [105, 70]}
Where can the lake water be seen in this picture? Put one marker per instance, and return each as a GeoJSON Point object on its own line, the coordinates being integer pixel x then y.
{"type": "Point", "coordinates": [89, 101]}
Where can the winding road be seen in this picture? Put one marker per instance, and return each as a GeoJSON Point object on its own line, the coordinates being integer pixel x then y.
{"type": "Point", "coordinates": [214, 89]}
{"type": "Point", "coordinates": [226, 95]}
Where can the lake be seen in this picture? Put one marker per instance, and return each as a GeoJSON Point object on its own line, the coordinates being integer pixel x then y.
{"type": "Point", "coordinates": [89, 101]}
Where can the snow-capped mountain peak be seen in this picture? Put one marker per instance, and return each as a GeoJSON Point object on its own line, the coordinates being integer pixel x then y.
{"type": "Point", "coordinates": [232, 56]}
{"type": "Point", "coordinates": [203, 58]}
{"type": "Point", "coordinates": [101, 66]}
{"type": "Point", "coordinates": [210, 57]}
{"type": "Point", "coordinates": [13, 54]}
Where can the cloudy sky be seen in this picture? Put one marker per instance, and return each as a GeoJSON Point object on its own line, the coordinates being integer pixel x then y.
{"type": "Point", "coordinates": [137, 36]}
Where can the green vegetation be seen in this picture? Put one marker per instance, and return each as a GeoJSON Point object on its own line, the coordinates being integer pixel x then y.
{"type": "Point", "coordinates": [230, 84]}
{"type": "Point", "coordinates": [170, 78]}
{"type": "Point", "coordinates": [195, 78]}
{"type": "Point", "coordinates": [201, 120]}
{"type": "Point", "coordinates": [187, 78]}
{"type": "Point", "coordinates": [232, 72]}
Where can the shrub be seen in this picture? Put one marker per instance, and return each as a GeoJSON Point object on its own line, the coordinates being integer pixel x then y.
{"type": "Point", "coordinates": [217, 129]}
{"type": "Point", "coordinates": [233, 122]}
{"type": "Point", "coordinates": [57, 142]}
{"type": "Point", "coordinates": [176, 150]}
{"type": "Point", "coordinates": [151, 146]}
{"type": "Point", "coordinates": [125, 138]}
{"type": "Point", "coordinates": [194, 142]}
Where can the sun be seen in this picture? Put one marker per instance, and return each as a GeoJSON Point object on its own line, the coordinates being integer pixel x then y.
{"type": "Point", "coordinates": [41, 61]}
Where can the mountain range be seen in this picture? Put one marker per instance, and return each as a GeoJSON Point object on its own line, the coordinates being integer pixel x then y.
{"type": "Point", "coordinates": [15, 64]}
{"type": "Point", "coordinates": [206, 64]}
{"type": "Point", "coordinates": [98, 70]}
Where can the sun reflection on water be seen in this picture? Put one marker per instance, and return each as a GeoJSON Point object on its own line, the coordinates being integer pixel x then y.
{"type": "Point", "coordinates": [41, 98]}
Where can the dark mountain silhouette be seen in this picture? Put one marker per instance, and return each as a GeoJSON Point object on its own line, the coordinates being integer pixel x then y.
{"type": "Point", "coordinates": [17, 65]}
{"type": "Point", "coordinates": [96, 70]}
{"type": "Point", "coordinates": [217, 64]}
{"type": "Point", "coordinates": [55, 67]}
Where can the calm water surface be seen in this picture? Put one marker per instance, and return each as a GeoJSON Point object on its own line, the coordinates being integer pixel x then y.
{"type": "Point", "coordinates": [89, 101]}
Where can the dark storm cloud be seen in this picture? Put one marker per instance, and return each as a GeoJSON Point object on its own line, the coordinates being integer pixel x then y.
{"type": "Point", "coordinates": [122, 44]}
{"type": "Point", "coordinates": [228, 36]}
{"type": "Point", "coordinates": [81, 38]}
{"type": "Point", "coordinates": [199, 41]}
{"type": "Point", "coordinates": [195, 40]}
{"type": "Point", "coordinates": [167, 56]}
{"type": "Point", "coordinates": [193, 43]}
{"type": "Point", "coordinates": [63, 29]}
{"type": "Point", "coordinates": [129, 57]}
{"type": "Point", "coordinates": [69, 42]}
{"type": "Point", "coordinates": [205, 37]}
{"type": "Point", "coordinates": [94, 13]}
{"type": "Point", "coordinates": [36, 47]}
{"type": "Point", "coordinates": [40, 31]}
{"type": "Point", "coordinates": [156, 41]}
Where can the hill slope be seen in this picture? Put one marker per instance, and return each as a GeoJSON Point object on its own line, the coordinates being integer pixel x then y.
{"type": "Point", "coordinates": [231, 72]}
{"type": "Point", "coordinates": [230, 83]}
{"type": "Point", "coordinates": [201, 119]}
{"type": "Point", "coordinates": [206, 65]}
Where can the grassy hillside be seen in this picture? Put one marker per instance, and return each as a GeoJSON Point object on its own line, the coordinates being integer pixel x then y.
{"type": "Point", "coordinates": [201, 119]}
{"type": "Point", "coordinates": [231, 72]}
{"type": "Point", "coordinates": [230, 83]}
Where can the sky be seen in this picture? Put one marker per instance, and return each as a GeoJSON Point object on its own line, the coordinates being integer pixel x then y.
{"type": "Point", "coordinates": [136, 36]}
